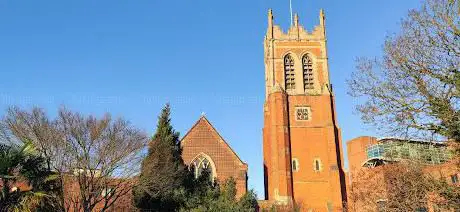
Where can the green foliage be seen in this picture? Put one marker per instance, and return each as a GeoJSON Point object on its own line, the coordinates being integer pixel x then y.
{"type": "Point", "coordinates": [165, 184]}
{"type": "Point", "coordinates": [163, 173]}
{"type": "Point", "coordinates": [295, 207]}
{"type": "Point", "coordinates": [449, 195]}
{"type": "Point", "coordinates": [248, 202]}
{"type": "Point", "coordinates": [212, 197]}
{"type": "Point", "coordinates": [22, 164]}
{"type": "Point", "coordinates": [102, 150]}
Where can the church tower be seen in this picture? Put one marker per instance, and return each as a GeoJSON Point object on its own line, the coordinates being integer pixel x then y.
{"type": "Point", "coordinates": [301, 138]}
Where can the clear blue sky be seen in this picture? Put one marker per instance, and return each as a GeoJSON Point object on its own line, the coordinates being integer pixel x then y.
{"type": "Point", "coordinates": [131, 57]}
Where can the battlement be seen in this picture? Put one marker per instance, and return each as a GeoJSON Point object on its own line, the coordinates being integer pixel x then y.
{"type": "Point", "coordinates": [295, 31]}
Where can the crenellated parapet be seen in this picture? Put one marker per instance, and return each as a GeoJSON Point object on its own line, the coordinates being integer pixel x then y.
{"type": "Point", "coordinates": [296, 31]}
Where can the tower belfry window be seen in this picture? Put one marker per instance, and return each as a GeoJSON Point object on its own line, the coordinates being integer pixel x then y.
{"type": "Point", "coordinates": [307, 65]}
{"type": "Point", "coordinates": [289, 72]}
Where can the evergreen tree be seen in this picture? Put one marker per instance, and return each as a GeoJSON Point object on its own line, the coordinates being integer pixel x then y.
{"type": "Point", "coordinates": [165, 184]}
{"type": "Point", "coordinates": [163, 173]}
{"type": "Point", "coordinates": [208, 196]}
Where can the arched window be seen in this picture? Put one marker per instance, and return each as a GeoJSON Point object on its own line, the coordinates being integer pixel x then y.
{"type": "Point", "coordinates": [317, 166]}
{"type": "Point", "coordinates": [295, 165]}
{"type": "Point", "coordinates": [307, 65]}
{"type": "Point", "coordinates": [289, 73]}
{"type": "Point", "coordinates": [201, 164]}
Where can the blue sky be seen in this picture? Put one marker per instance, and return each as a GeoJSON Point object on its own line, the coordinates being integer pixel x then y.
{"type": "Point", "coordinates": [131, 57]}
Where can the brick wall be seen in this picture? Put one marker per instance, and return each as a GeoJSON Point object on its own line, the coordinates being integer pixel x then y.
{"type": "Point", "coordinates": [203, 139]}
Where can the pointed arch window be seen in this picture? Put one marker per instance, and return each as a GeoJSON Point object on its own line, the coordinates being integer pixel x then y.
{"type": "Point", "coordinates": [307, 65]}
{"type": "Point", "coordinates": [295, 165]}
{"type": "Point", "coordinates": [289, 73]}
{"type": "Point", "coordinates": [317, 166]}
{"type": "Point", "coordinates": [202, 164]}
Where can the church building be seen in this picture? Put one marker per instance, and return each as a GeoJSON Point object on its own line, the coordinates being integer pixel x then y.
{"type": "Point", "coordinates": [204, 148]}
{"type": "Point", "coordinates": [303, 162]}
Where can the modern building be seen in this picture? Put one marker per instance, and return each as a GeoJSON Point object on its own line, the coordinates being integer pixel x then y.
{"type": "Point", "coordinates": [303, 162]}
{"type": "Point", "coordinates": [370, 152]}
{"type": "Point", "coordinates": [368, 157]}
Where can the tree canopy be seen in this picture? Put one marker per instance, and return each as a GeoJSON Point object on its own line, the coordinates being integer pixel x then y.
{"type": "Point", "coordinates": [26, 184]}
{"type": "Point", "coordinates": [163, 173]}
{"type": "Point", "coordinates": [413, 91]}
{"type": "Point", "coordinates": [96, 154]}
{"type": "Point", "coordinates": [167, 184]}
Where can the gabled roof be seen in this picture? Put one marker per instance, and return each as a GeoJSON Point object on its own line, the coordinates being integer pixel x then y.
{"type": "Point", "coordinates": [204, 120]}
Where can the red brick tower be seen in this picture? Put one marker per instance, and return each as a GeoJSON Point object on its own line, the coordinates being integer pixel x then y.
{"type": "Point", "coordinates": [302, 145]}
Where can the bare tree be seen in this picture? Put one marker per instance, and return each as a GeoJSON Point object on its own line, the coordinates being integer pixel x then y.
{"type": "Point", "coordinates": [413, 91]}
{"type": "Point", "coordinates": [367, 191]}
{"type": "Point", "coordinates": [34, 126]}
{"type": "Point", "coordinates": [403, 186]}
{"type": "Point", "coordinates": [96, 158]}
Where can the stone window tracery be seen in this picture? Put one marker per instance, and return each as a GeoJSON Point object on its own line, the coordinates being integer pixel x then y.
{"type": "Point", "coordinates": [289, 72]}
{"type": "Point", "coordinates": [203, 163]}
{"type": "Point", "coordinates": [302, 113]}
{"type": "Point", "coordinates": [307, 66]}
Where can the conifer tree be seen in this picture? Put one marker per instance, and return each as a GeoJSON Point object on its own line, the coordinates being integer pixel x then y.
{"type": "Point", "coordinates": [163, 172]}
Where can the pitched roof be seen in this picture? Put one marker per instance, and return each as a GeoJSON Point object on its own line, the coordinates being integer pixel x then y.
{"type": "Point", "coordinates": [204, 120]}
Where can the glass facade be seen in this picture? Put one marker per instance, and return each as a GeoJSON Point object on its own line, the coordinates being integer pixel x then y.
{"type": "Point", "coordinates": [425, 152]}
{"type": "Point", "coordinates": [375, 151]}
